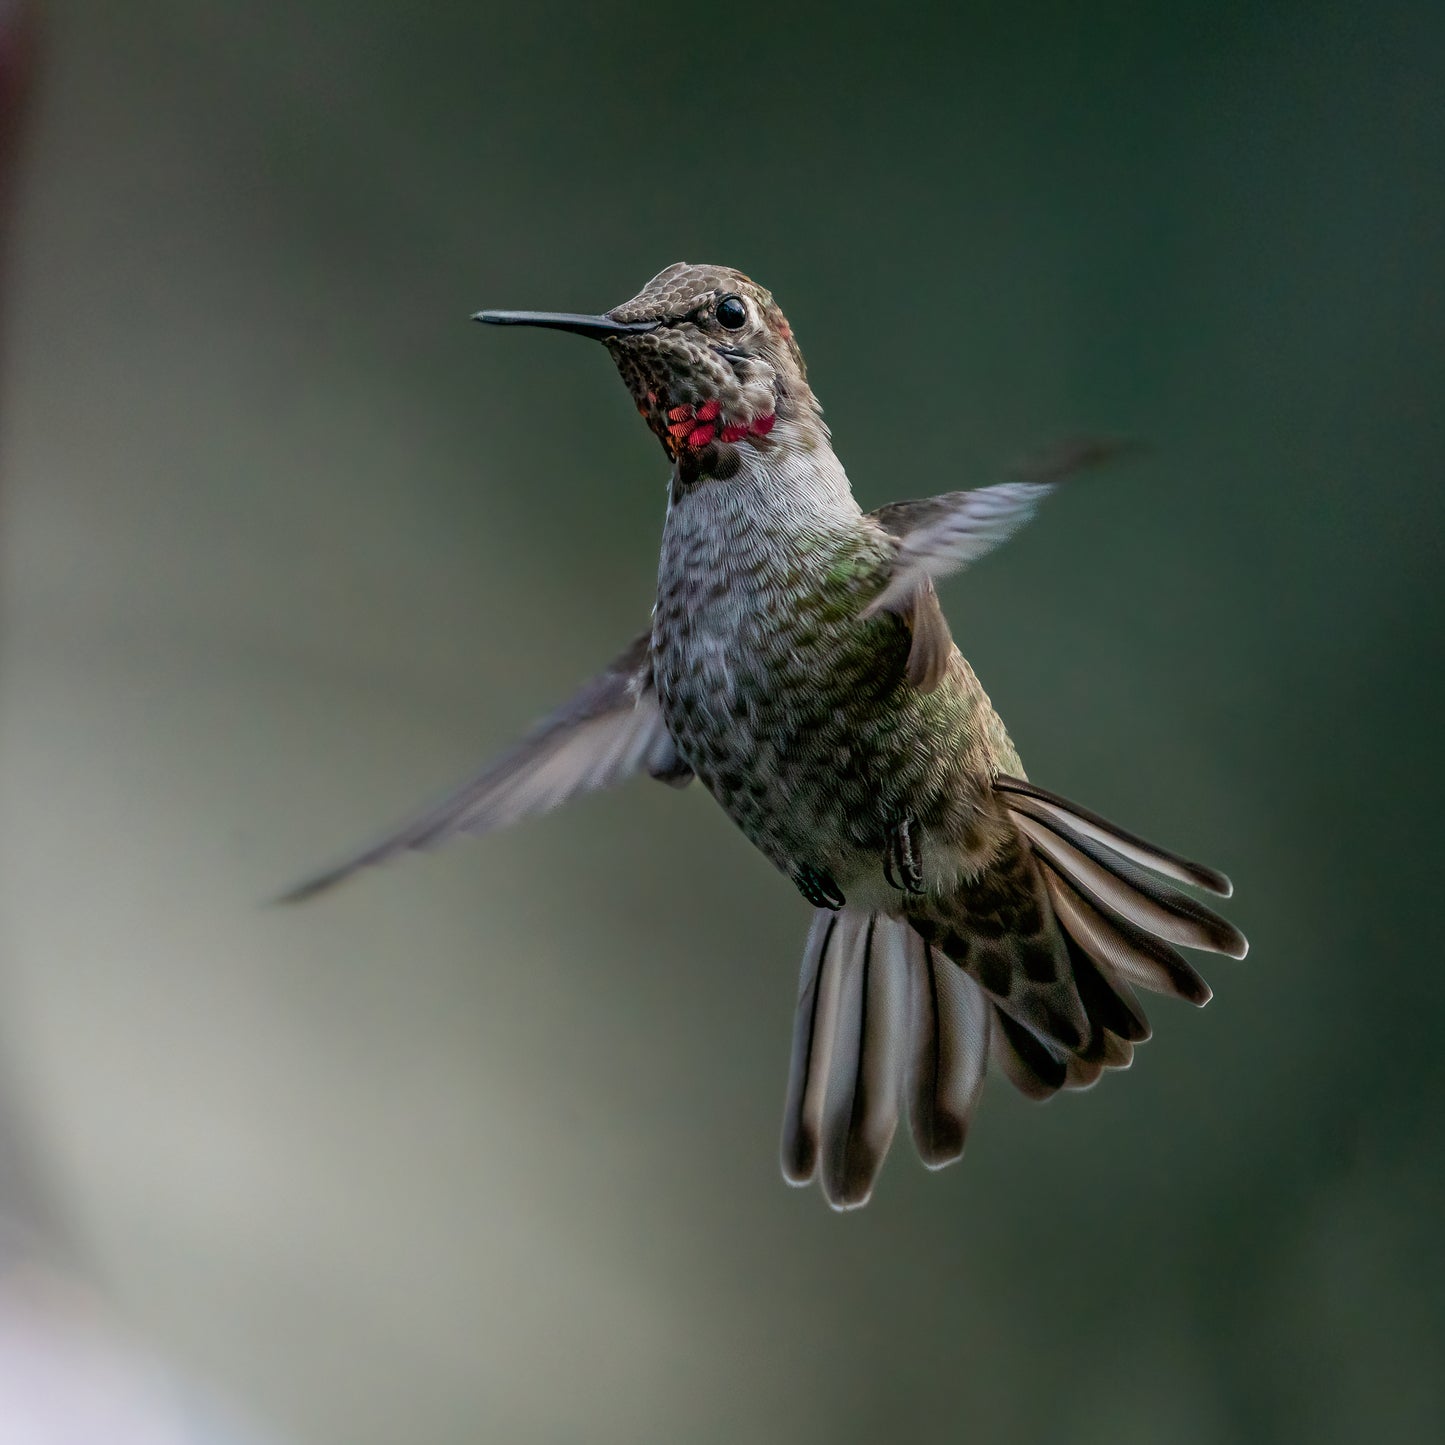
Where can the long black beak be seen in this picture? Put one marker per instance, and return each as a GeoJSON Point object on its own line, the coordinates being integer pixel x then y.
{"type": "Point", "coordinates": [599, 326]}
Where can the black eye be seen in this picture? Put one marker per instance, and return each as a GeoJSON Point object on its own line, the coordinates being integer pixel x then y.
{"type": "Point", "coordinates": [731, 313]}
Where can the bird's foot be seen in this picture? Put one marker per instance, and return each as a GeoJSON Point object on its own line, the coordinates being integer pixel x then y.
{"type": "Point", "coordinates": [818, 888]}
{"type": "Point", "coordinates": [902, 866]}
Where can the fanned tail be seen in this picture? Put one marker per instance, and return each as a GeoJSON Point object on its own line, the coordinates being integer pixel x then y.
{"type": "Point", "coordinates": [1118, 924]}
{"type": "Point", "coordinates": [880, 1013]}
{"type": "Point", "coordinates": [1034, 966]}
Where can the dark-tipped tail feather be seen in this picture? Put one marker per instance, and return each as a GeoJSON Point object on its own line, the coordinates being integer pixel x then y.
{"type": "Point", "coordinates": [950, 1026]}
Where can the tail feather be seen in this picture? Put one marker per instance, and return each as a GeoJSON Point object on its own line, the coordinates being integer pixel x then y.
{"type": "Point", "coordinates": [1116, 1020]}
{"type": "Point", "coordinates": [863, 1096]}
{"type": "Point", "coordinates": [1047, 805]}
{"type": "Point", "coordinates": [1110, 880]}
{"type": "Point", "coordinates": [1111, 1004]}
{"type": "Point", "coordinates": [1132, 955]}
{"type": "Point", "coordinates": [1039, 1065]}
{"type": "Point", "coordinates": [1034, 1066]}
{"type": "Point", "coordinates": [813, 1028]}
{"type": "Point", "coordinates": [1114, 1053]}
{"type": "Point", "coordinates": [951, 1026]}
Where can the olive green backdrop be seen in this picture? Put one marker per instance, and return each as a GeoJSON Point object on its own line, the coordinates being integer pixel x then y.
{"type": "Point", "coordinates": [483, 1148]}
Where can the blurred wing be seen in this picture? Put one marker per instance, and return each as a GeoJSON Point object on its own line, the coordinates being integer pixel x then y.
{"type": "Point", "coordinates": [938, 535]}
{"type": "Point", "coordinates": [612, 729]}
{"type": "Point", "coordinates": [941, 535]}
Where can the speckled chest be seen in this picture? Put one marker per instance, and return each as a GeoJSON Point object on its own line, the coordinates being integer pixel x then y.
{"type": "Point", "coordinates": [788, 707]}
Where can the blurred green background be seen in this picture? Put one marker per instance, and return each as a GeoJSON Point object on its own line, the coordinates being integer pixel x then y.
{"type": "Point", "coordinates": [483, 1147]}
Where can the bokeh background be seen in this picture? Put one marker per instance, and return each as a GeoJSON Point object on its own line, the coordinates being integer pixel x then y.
{"type": "Point", "coordinates": [483, 1147]}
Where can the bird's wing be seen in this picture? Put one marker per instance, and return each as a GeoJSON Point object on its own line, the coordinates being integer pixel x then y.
{"type": "Point", "coordinates": [612, 729]}
{"type": "Point", "coordinates": [941, 535]}
{"type": "Point", "coordinates": [936, 536]}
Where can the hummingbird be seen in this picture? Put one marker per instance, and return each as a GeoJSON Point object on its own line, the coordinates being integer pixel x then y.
{"type": "Point", "coordinates": [798, 664]}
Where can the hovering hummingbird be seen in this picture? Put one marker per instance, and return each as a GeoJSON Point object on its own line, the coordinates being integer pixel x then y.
{"type": "Point", "coordinates": [799, 665]}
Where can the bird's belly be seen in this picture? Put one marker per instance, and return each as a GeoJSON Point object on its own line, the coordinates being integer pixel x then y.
{"type": "Point", "coordinates": [800, 732]}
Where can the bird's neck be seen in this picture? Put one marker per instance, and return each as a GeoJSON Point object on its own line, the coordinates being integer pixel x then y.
{"type": "Point", "coordinates": [790, 467]}
{"type": "Point", "coordinates": [787, 510]}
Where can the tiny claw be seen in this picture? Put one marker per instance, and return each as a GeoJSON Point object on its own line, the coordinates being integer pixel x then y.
{"type": "Point", "coordinates": [902, 866]}
{"type": "Point", "coordinates": [818, 888]}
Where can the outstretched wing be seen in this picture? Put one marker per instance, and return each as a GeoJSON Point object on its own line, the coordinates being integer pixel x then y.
{"type": "Point", "coordinates": [610, 730]}
{"type": "Point", "coordinates": [941, 535]}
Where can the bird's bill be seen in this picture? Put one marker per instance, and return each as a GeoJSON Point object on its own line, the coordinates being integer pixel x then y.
{"type": "Point", "coordinates": [599, 326]}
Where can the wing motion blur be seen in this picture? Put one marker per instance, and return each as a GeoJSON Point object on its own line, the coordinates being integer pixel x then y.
{"type": "Point", "coordinates": [940, 535]}
{"type": "Point", "coordinates": [609, 731]}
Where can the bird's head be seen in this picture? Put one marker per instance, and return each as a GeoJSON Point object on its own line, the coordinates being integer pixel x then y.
{"type": "Point", "coordinates": [711, 363]}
